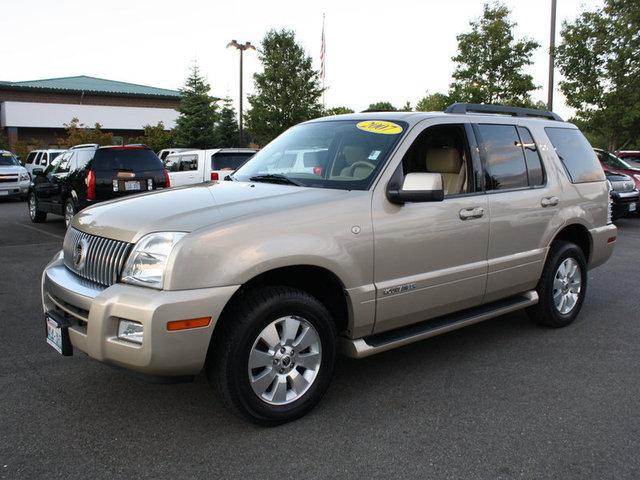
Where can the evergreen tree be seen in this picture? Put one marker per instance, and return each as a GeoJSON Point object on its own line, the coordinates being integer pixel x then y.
{"type": "Point", "coordinates": [288, 90]}
{"type": "Point", "coordinates": [599, 58]}
{"type": "Point", "coordinates": [198, 113]}
{"type": "Point", "coordinates": [490, 61]}
{"type": "Point", "coordinates": [227, 132]}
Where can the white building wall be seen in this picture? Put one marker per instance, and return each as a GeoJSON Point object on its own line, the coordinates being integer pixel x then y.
{"type": "Point", "coordinates": [55, 115]}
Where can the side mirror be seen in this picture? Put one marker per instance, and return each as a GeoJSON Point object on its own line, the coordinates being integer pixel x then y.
{"type": "Point", "coordinates": [416, 187]}
{"type": "Point", "coordinates": [37, 171]}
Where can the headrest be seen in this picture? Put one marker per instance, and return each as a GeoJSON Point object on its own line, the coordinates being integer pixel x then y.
{"type": "Point", "coordinates": [354, 153]}
{"type": "Point", "coordinates": [443, 160]}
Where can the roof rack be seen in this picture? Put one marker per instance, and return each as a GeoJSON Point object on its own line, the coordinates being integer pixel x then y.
{"type": "Point", "coordinates": [84, 145]}
{"type": "Point", "coordinates": [502, 110]}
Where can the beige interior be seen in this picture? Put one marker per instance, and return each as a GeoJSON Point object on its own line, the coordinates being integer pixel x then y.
{"type": "Point", "coordinates": [352, 155]}
{"type": "Point", "coordinates": [449, 163]}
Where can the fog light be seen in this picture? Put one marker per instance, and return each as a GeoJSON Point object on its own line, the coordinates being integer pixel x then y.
{"type": "Point", "coordinates": [130, 331]}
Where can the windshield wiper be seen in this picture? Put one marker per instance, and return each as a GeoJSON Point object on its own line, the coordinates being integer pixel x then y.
{"type": "Point", "coordinates": [275, 178]}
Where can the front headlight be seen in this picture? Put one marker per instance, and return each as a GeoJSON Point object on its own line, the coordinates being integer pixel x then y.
{"type": "Point", "coordinates": [148, 259]}
{"type": "Point", "coordinates": [24, 176]}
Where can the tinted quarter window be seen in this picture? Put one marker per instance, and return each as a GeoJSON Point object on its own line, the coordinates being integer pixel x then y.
{"type": "Point", "coordinates": [132, 159]}
{"type": "Point", "coordinates": [532, 157]}
{"type": "Point", "coordinates": [576, 154]}
{"type": "Point", "coordinates": [228, 160]}
{"type": "Point", "coordinates": [502, 157]}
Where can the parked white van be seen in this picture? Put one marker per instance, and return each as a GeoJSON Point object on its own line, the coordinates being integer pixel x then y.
{"type": "Point", "coordinates": [196, 166]}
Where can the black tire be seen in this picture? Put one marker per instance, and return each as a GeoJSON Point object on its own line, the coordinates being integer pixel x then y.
{"type": "Point", "coordinates": [227, 362]}
{"type": "Point", "coordinates": [545, 311]}
{"type": "Point", "coordinates": [69, 206]}
{"type": "Point", "coordinates": [36, 216]}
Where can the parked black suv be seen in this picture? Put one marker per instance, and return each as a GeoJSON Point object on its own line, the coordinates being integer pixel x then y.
{"type": "Point", "coordinates": [89, 174]}
{"type": "Point", "coordinates": [624, 195]}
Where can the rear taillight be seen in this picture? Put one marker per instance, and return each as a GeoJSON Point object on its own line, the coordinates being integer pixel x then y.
{"type": "Point", "coordinates": [167, 180]}
{"type": "Point", "coordinates": [91, 185]}
{"type": "Point", "coordinates": [214, 176]}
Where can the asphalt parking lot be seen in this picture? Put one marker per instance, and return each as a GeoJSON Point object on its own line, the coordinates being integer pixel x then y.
{"type": "Point", "coordinates": [503, 399]}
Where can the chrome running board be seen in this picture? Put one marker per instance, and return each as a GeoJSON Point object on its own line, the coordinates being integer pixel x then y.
{"type": "Point", "coordinates": [381, 342]}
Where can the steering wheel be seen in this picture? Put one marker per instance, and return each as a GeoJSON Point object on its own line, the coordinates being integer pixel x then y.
{"type": "Point", "coordinates": [361, 163]}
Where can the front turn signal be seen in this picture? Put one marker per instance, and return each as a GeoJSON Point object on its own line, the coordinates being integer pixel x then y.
{"type": "Point", "coordinates": [187, 324]}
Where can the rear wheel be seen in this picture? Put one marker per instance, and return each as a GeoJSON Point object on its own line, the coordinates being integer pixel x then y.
{"type": "Point", "coordinates": [562, 287]}
{"type": "Point", "coordinates": [37, 216]}
{"type": "Point", "coordinates": [69, 212]}
{"type": "Point", "coordinates": [273, 362]}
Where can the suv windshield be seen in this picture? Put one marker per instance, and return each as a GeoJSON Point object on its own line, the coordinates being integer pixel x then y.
{"type": "Point", "coordinates": [616, 162]}
{"type": "Point", "coordinates": [136, 159]}
{"type": "Point", "coordinates": [8, 160]}
{"type": "Point", "coordinates": [342, 154]}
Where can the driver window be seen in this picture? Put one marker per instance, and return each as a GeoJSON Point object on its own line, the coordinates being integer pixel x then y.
{"type": "Point", "coordinates": [442, 149]}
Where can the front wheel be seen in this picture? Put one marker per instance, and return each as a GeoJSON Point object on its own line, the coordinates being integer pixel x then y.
{"type": "Point", "coordinates": [562, 286]}
{"type": "Point", "coordinates": [273, 361]}
{"type": "Point", "coordinates": [36, 216]}
{"type": "Point", "coordinates": [69, 212]}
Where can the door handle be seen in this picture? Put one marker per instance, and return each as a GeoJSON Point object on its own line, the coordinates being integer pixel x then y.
{"type": "Point", "coordinates": [549, 201]}
{"type": "Point", "coordinates": [469, 213]}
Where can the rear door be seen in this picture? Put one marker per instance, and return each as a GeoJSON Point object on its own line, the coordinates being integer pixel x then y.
{"type": "Point", "coordinates": [523, 205]}
{"type": "Point", "coordinates": [183, 169]}
{"type": "Point", "coordinates": [125, 170]}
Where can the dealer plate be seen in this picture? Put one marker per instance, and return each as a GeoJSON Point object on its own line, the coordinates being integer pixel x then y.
{"type": "Point", "coordinates": [58, 336]}
{"type": "Point", "coordinates": [632, 207]}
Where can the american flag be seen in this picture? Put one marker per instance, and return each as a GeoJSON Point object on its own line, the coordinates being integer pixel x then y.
{"type": "Point", "coordinates": [322, 53]}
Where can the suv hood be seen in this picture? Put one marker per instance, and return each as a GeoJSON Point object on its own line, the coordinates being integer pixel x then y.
{"type": "Point", "coordinates": [9, 169]}
{"type": "Point", "coordinates": [186, 209]}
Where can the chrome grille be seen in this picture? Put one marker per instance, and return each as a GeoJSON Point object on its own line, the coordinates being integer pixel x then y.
{"type": "Point", "coordinates": [8, 178]}
{"type": "Point", "coordinates": [623, 185]}
{"type": "Point", "coordinates": [95, 258]}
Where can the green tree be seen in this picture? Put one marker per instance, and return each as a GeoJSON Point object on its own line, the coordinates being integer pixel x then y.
{"type": "Point", "coordinates": [599, 57]}
{"type": "Point", "coordinates": [156, 137]}
{"type": "Point", "coordinates": [198, 113]}
{"type": "Point", "coordinates": [433, 102]}
{"type": "Point", "coordinates": [381, 107]}
{"type": "Point", "coordinates": [227, 132]}
{"type": "Point", "coordinates": [78, 133]}
{"type": "Point", "coordinates": [288, 90]}
{"type": "Point", "coordinates": [337, 111]}
{"type": "Point", "coordinates": [491, 61]}
{"type": "Point", "coordinates": [4, 141]}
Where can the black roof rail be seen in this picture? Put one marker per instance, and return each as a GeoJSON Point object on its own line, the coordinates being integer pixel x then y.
{"type": "Point", "coordinates": [502, 110]}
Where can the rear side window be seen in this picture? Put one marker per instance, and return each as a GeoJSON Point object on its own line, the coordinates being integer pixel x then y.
{"type": "Point", "coordinates": [502, 156]}
{"type": "Point", "coordinates": [228, 160]}
{"type": "Point", "coordinates": [83, 157]}
{"type": "Point", "coordinates": [576, 154]}
{"type": "Point", "coordinates": [132, 159]}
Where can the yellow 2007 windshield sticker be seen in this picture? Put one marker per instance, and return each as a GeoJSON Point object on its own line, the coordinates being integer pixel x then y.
{"type": "Point", "coordinates": [380, 126]}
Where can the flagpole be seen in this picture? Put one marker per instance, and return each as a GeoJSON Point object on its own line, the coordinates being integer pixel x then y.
{"type": "Point", "coordinates": [322, 66]}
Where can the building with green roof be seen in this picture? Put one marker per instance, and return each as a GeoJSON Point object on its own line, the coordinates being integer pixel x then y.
{"type": "Point", "coordinates": [35, 111]}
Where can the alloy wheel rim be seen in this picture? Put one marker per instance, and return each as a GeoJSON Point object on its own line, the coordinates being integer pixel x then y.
{"type": "Point", "coordinates": [68, 214]}
{"type": "Point", "coordinates": [284, 360]}
{"type": "Point", "coordinates": [32, 206]}
{"type": "Point", "coordinates": [567, 285]}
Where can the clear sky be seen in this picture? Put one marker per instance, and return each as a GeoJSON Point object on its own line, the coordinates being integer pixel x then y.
{"type": "Point", "coordinates": [376, 49]}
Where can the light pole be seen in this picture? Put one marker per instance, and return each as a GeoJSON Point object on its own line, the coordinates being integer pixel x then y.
{"type": "Point", "coordinates": [552, 47]}
{"type": "Point", "coordinates": [242, 47]}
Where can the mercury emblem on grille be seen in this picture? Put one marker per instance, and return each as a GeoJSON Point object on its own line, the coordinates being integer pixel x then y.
{"type": "Point", "coordinates": [80, 253]}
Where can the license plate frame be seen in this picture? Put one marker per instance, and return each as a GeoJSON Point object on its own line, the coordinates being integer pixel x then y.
{"type": "Point", "coordinates": [132, 186]}
{"type": "Point", "coordinates": [57, 334]}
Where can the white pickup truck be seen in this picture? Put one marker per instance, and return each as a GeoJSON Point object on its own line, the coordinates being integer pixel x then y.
{"type": "Point", "coordinates": [196, 166]}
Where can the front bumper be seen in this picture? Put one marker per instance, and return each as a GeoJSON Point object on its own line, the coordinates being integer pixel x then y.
{"type": "Point", "coordinates": [14, 188]}
{"type": "Point", "coordinates": [603, 240]}
{"type": "Point", "coordinates": [94, 313]}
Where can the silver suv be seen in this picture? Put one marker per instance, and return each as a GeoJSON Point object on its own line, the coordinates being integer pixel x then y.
{"type": "Point", "coordinates": [395, 227]}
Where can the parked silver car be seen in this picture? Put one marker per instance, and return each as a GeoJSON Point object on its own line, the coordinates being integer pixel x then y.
{"type": "Point", "coordinates": [399, 227]}
{"type": "Point", "coordinates": [14, 178]}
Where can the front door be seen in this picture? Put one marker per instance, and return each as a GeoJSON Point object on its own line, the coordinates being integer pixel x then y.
{"type": "Point", "coordinates": [431, 257]}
